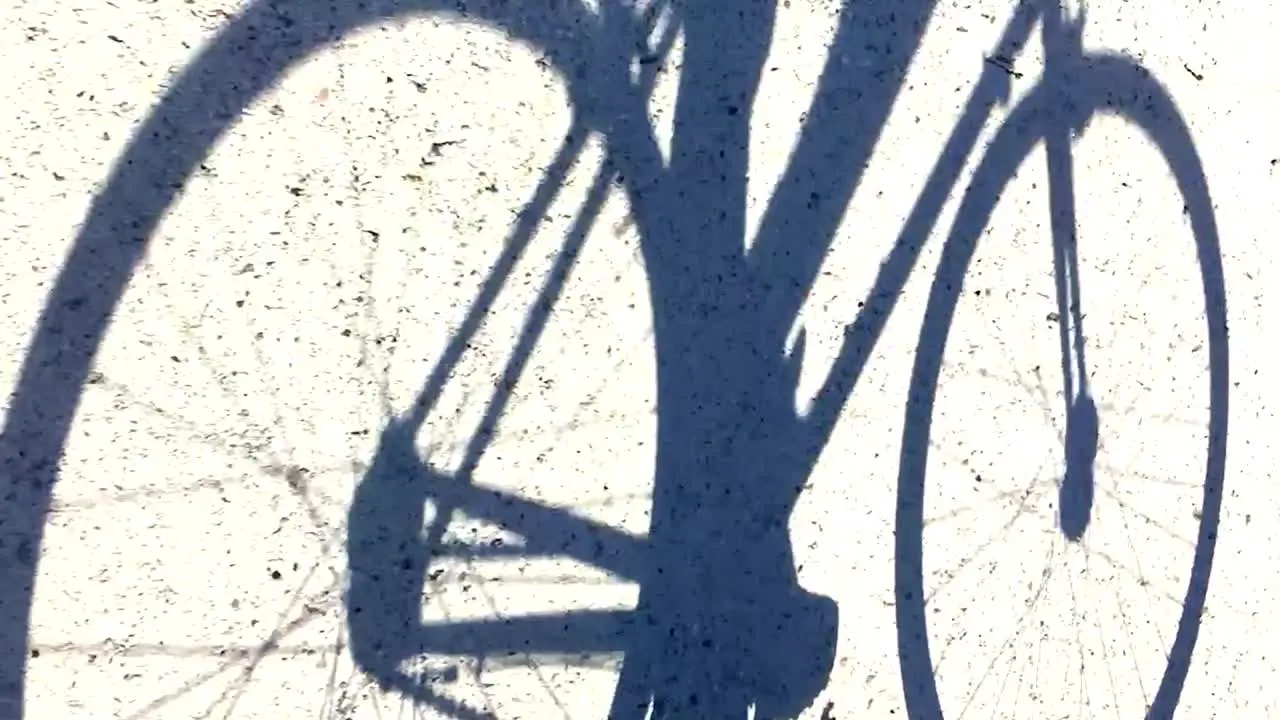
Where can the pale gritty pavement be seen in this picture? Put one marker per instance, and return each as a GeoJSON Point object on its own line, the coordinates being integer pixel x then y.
{"type": "Point", "coordinates": [312, 270]}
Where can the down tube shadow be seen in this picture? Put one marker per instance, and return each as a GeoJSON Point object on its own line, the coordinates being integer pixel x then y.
{"type": "Point", "coordinates": [1104, 84]}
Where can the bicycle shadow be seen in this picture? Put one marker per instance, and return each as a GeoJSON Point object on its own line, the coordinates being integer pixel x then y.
{"type": "Point", "coordinates": [722, 624]}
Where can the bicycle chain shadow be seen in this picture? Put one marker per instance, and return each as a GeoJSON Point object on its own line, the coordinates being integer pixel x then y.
{"type": "Point", "coordinates": [722, 622]}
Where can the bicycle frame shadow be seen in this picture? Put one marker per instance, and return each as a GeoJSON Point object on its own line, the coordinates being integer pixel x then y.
{"type": "Point", "coordinates": [723, 624]}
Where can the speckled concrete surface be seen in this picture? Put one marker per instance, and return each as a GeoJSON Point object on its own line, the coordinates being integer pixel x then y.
{"type": "Point", "coordinates": [307, 279]}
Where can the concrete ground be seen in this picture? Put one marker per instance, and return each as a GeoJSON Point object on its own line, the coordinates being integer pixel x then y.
{"type": "Point", "coordinates": [310, 274]}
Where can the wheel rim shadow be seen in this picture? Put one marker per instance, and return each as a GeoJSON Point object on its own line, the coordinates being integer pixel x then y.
{"type": "Point", "coordinates": [1116, 85]}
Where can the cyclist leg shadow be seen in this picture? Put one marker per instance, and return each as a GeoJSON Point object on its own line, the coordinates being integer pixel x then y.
{"type": "Point", "coordinates": [789, 634]}
{"type": "Point", "coordinates": [730, 628]}
{"type": "Point", "coordinates": [795, 646]}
